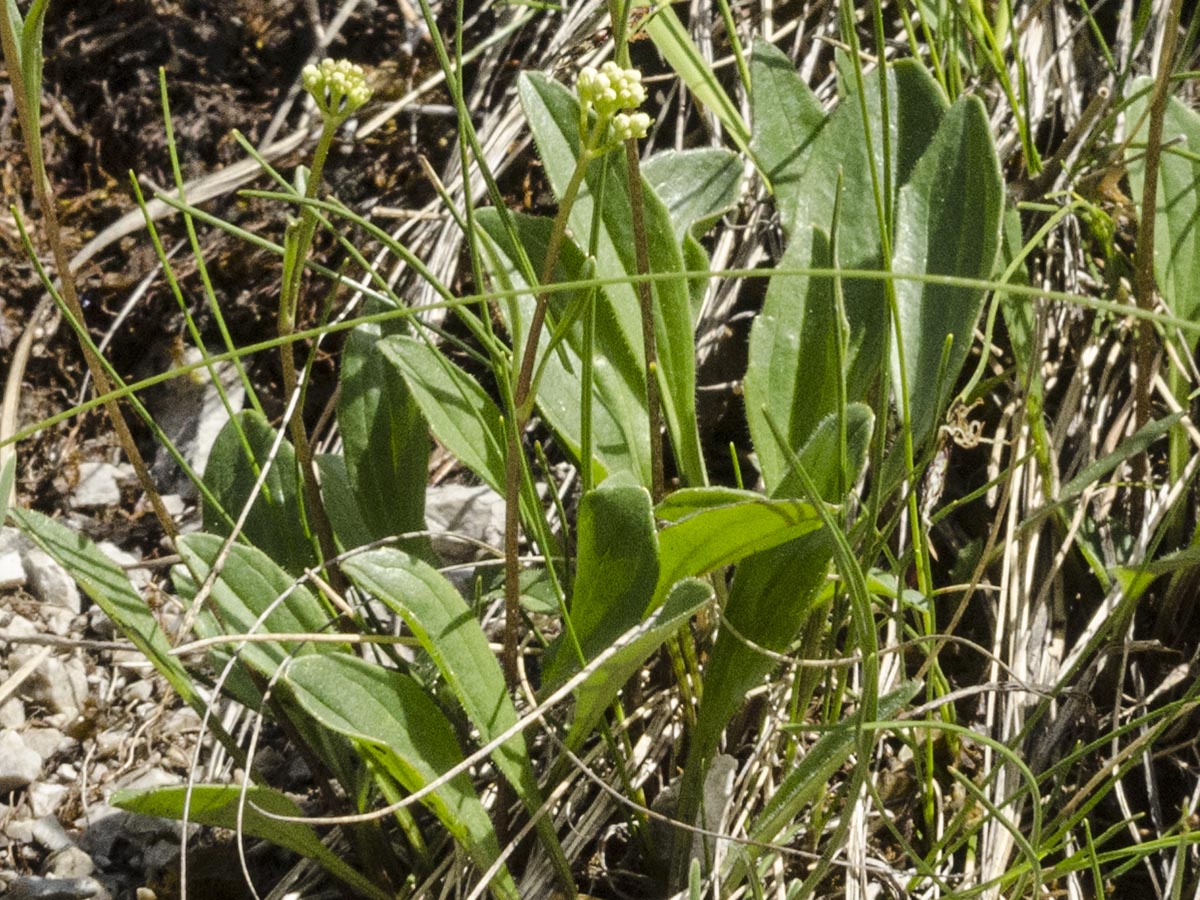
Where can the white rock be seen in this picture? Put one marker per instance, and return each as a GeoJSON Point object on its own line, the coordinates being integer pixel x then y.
{"type": "Point", "coordinates": [61, 685]}
{"type": "Point", "coordinates": [140, 691]}
{"type": "Point", "coordinates": [12, 570]}
{"type": "Point", "coordinates": [59, 621]}
{"type": "Point", "coordinates": [46, 797]}
{"type": "Point", "coordinates": [190, 411]}
{"type": "Point", "coordinates": [49, 582]}
{"type": "Point", "coordinates": [48, 832]}
{"type": "Point", "coordinates": [474, 511]}
{"type": "Point", "coordinates": [69, 862]}
{"type": "Point", "coordinates": [43, 741]}
{"type": "Point", "coordinates": [98, 486]}
{"type": "Point", "coordinates": [19, 765]}
{"type": "Point", "coordinates": [127, 561]}
{"type": "Point", "coordinates": [100, 624]}
{"type": "Point", "coordinates": [12, 713]}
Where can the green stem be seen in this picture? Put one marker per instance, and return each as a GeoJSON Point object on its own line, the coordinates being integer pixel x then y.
{"type": "Point", "coordinates": [300, 238]}
{"type": "Point", "coordinates": [523, 407]}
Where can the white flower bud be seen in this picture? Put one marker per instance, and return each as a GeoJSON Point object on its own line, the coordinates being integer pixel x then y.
{"type": "Point", "coordinates": [339, 87]}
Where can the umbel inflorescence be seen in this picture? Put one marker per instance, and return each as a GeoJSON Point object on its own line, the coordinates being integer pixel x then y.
{"type": "Point", "coordinates": [339, 87]}
{"type": "Point", "coordinates": [614, 94]}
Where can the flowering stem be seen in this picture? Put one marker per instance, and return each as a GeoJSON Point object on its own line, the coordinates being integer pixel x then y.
{"type": "Point", "coordinates": [339, 88]}
{"type": "Point", "coordinates": [522, 408]}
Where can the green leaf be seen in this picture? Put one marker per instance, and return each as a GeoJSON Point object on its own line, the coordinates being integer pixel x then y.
{"type": "Point", "coordinates": [553, 115]}
{"type": "Point", "coordinates": [1134, 580]}
{"type": "Point", "coordinates": [808, 780]}
{"type": "Point", "coordinates": [274, 524]}
{"type": "Point", "coordinates": [792, 372]}
{"type": "Point", "coordinates": [774, 592]}
{"type": "Point", "coordinates": [714, 527]}
{"type": "Point", "coordinates": [599, 690]}
{"type": "Point", "coordinates": [1177, 203]}
{"type": "Point", "coordinates": [349, 525]}
{"type": "Point", "coordinates": [8, 474]}
{"type": "Point", "coordinates": [697, 186]}
{"type": "Point", "coordinates": [443, 623]}
{"type": "Point", "coordinates": [107, 585]}
{"type": "Point", "coordinates": [947, 223]}
{"type": "Point", "coordinates": [620, 425]}
{"type": "Point", "coordinates": [392, 718]}
{"type": "Point", "coordinates": [248, 585]}
{"type": "Point", "coordinates": [385, 441]}
{"type": "Point", "coordinates": [216, 805]}
{"type": "Point", "coordinates": [787, 118]}
{"type": "Point", "coordinates": [617, 569]}
{"type": "Point", "coordinates": [460, 415]}
{"type": "Point", "coordinates": [671, 38]}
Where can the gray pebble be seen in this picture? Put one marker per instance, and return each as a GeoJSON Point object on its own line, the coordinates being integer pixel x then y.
{"type": "Point", "coordinates": [19, 765]}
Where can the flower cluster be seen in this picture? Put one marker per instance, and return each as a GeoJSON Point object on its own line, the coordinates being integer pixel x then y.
{"type": "Point", "coordinates": [614, 93]}
{"type": "Point", "coordinates": [338, 86]}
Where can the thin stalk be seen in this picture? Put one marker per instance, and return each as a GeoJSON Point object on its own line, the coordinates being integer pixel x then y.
{"type": "Point", "coordinates": [299, 242]}
{"type": "Point", "coordinates": [514, 427]}
{"type": "Point", "coordinates": [1143, 283]}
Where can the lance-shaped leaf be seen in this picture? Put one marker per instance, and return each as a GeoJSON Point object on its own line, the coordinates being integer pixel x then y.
{"type": "Point", "coordinates": [389, 716]}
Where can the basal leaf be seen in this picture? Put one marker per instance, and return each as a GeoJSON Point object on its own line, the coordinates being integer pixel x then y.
{"type": "Point", "coordinates": [714, 527]}
{"type": "Point", "coordinates": [248, 585]}
{"type": "Point", "coordinates": [275, 523]}
{"type": "Point", "coordinates": [107, 585]}
{"type": "Point", "coordinates": [597, 693]}
{"type": "Point", "coordinates": [620, 426]}
{"type": "Point", "coordinates": [349, 525]}
{"type": "Point", "coordinates": [1177, 220]}
{"type": "Point", "coordinates": [216, 805]}
{"type": "Point", "coordinates": [386, 446]}
{"type": "Point", "coordinates": [774, 592]}
{"type": "Point", "coordinates": [697, 186]}
{"type": "Point", "coordinates": [617, 568]}
{"type": "Point", "coordinates": [787, 118]}
{"type": "Point", "coordinates": [460, 415]}
{"type": "Point", "coordinates": [947, 223]}
{"type": "Point", "coordinates": [391, 717]}
{"type": "Point", "coordinates": [443, 623]}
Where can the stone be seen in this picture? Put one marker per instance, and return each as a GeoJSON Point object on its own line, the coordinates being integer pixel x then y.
{"type": "Point", "coordinates": [139, 576]}
{"type": "Point", "coordinates": [19, 765]}
{"type": "Point", "coordinates": [69, 862]}
{"type": "Point", "coordinates": [474, 511]}
{"type": "Point", "coordinates": [191, 413]}
{"type": "Point", "coordinates": [12, 567]}
{"type": "Point", "coordinates": [99, 624]}
{"type": "Point", "coordinates": [139, 691]}
{"type": "Point", "coordinates": [99, 486]}
{"type": "Point", "coordinates": [48, 832]}
{"type": "Point", "coordinates": [12, 713]}
{"type": "Point", "coordinates": [33, 888]}
{"type": "Point", "coordinates": [50, 582]}
{"type": "Point", "coordinates": [12, 570]}
{"type": "Point", "coordinates": [60, 685]}
{"type": "Point", "coordinates": [46, 797]}
{"type": "Point", "coordinates": [46, 741]}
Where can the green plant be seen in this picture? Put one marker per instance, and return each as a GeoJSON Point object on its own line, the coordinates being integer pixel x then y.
{"type": "Point", "coordinates": [891, 202]}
